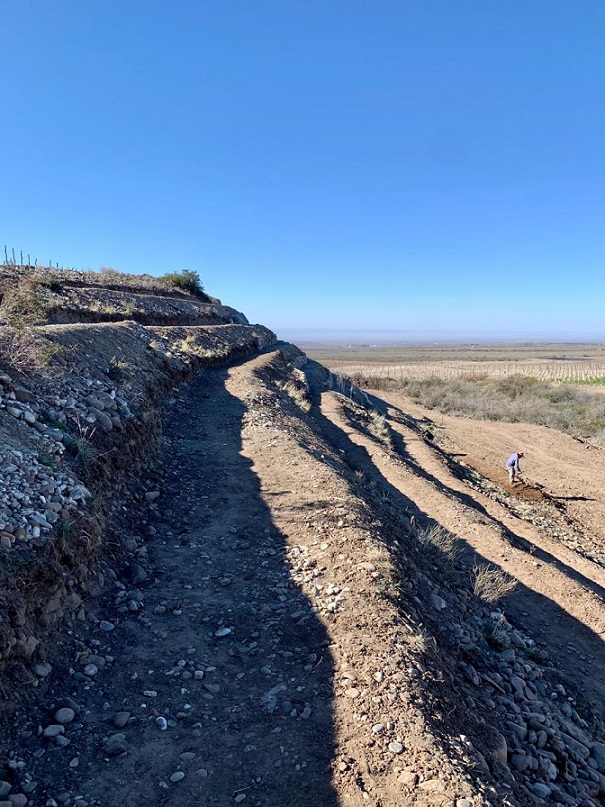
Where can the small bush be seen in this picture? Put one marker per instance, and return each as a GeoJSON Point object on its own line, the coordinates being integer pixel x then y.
{"type": "Point", "coordinates": [22, 351]}
{"type": "Point", "coordinates": [492, 584]}
{"type": "Point", "coordinates": [187, 280]}
{"type": "Point", "coordinates": [24, 305]}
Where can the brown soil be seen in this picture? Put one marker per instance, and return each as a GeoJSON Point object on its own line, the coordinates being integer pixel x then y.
{"type": "Point", "coordinates": [280, 564]}
{"type": "Point", "coordinates": [562, 598]}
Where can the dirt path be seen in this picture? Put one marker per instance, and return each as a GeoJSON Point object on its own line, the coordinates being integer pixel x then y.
{"type": "Point", "coordinates": [248, 652]}
{"type": "Point", "coordinates": [276, 637]}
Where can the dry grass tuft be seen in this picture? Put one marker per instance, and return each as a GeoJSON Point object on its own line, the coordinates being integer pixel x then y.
{"type": "Point", "coordinates": [298, 392]}
{"type": "Point", "coordinates": [422, 642]}
{"type": "Point", "coordinates": [437, 537]}
{"type": "Point", "coordinates": [492, 584]}
{"type": "Point", "coordinates": [20, 350]}
{"type": "Point", "coordinates": [379, 427]}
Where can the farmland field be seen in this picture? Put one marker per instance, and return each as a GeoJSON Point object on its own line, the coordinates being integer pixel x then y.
{"type": "Point", "coordinates": [557, 386]}
{"type": "Point", "coordinates": [559, 363]}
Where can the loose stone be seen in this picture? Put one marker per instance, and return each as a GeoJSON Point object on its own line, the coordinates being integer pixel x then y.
{"type": "Point", "coordinates": [53, 731]}
{"type": "Point", "coordinates": [64, 715]}
{"type": "Point", "coordinates": [115, 745]}
{"type": "Point", "coordinates": [120, 719]}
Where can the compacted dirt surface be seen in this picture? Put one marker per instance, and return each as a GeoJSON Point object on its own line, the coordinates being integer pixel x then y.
{"type": "Point", "coordinates": [278, 636]}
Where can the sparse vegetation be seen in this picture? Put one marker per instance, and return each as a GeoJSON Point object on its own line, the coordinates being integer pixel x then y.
{"type": "Point", "coordinates": [296, 389]}
{"type": "Point", "coordinates": [187, 280]}
{"type": "Point", "coordinates": [83, 452]}
{"type": "Point", "coordinates": [438, 538]}
{"type": "Point", "coordinates": [379, 427]}
{"type": "Point", "coordinates": [538, 656]}
{"type": "Point", "coordinates": [24, 304]}
{"type": "Point", "coordinates": [422, 642]}
{"type": "Point", "coordinates": [118, 369]}
{"type": "Point", "coordinates": [517, 399]}
{"type": "Point", "coordinates": [24, 351]}
{"type": "Point", "coordinates": [491, 584]}
{"type": "Point", "coordinates": [495, 636]}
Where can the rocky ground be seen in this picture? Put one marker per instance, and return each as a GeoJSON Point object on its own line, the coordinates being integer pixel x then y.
{"type": "Point", "coordinates": [227, 576]}
{"type": "Point", "coordinates": [280, 630]}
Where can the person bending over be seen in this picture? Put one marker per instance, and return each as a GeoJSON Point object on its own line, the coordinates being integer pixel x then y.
{"type": "Point", "coordinates": [512, 465]}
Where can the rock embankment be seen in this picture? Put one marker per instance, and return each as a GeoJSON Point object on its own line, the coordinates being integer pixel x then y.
{"type": "Point", "coordinates": [73, 430]}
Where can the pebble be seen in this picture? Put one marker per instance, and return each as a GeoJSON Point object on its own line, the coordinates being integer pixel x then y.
{"type": "Point", "coordinates": [64, 715]}
{"type": "Point", "coordinates": [106, 626]}
{"type": "Point", "coordinates": [396, 747]}
{"type": "Point", "coordinates": [541, 790]}
{"type": "Point", "coordinates": [161, 723]}
{"type": "Point", "coordinates": [53, 731]}
{"type": "Point", "coordinates": [177, 776]}
{"type": "Point", "coordinates": [438, 602]}
{"type": "Point", "coordinates": [120, 719]}
{"type": "Point", "coordinates": [90, 670]}
{"type": "Point", "coordinates": [223, 632]}
{"type": "Point", "coordinates": [115, 745]}
{"type": "Point", "coordinates": [5, 789]}
{"type": "Point", "coordinates": [42, 670]}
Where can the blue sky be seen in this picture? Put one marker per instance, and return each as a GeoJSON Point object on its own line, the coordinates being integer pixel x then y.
{"type": "Point", "coordinates": [430, 166]}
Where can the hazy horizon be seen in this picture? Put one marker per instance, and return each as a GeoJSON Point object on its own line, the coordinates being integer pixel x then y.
{"type": "Point", "coordinates": [395, 336]}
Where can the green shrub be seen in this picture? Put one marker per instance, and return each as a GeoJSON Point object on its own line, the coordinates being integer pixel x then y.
{"type": "Point", "coordinates": [187, 280]}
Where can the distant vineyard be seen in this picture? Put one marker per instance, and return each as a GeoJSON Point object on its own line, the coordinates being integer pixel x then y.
{"type": "Point", "coordinates": [570, 372]}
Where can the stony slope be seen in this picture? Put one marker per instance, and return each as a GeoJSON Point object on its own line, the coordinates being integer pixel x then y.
{"type": "Point", "coordinates": [274, 609]}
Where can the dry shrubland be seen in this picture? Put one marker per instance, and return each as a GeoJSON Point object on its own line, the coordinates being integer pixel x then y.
{"type": "Point", "coordinates": [515, 399]}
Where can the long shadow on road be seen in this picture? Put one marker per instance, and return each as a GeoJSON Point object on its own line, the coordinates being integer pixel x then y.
{"type": "Point", "coordinates": [235, 646]}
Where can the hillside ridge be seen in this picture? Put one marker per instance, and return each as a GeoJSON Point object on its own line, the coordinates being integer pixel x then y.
{"type": "Point", "coordinates": [229, 576]}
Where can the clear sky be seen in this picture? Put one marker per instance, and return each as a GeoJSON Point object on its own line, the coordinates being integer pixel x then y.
{"type": "Point", "coordinates": [431, 166]}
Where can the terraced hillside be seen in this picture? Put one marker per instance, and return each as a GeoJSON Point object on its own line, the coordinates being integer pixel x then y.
{"type": "Point", "coordinates": [263, 586]}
